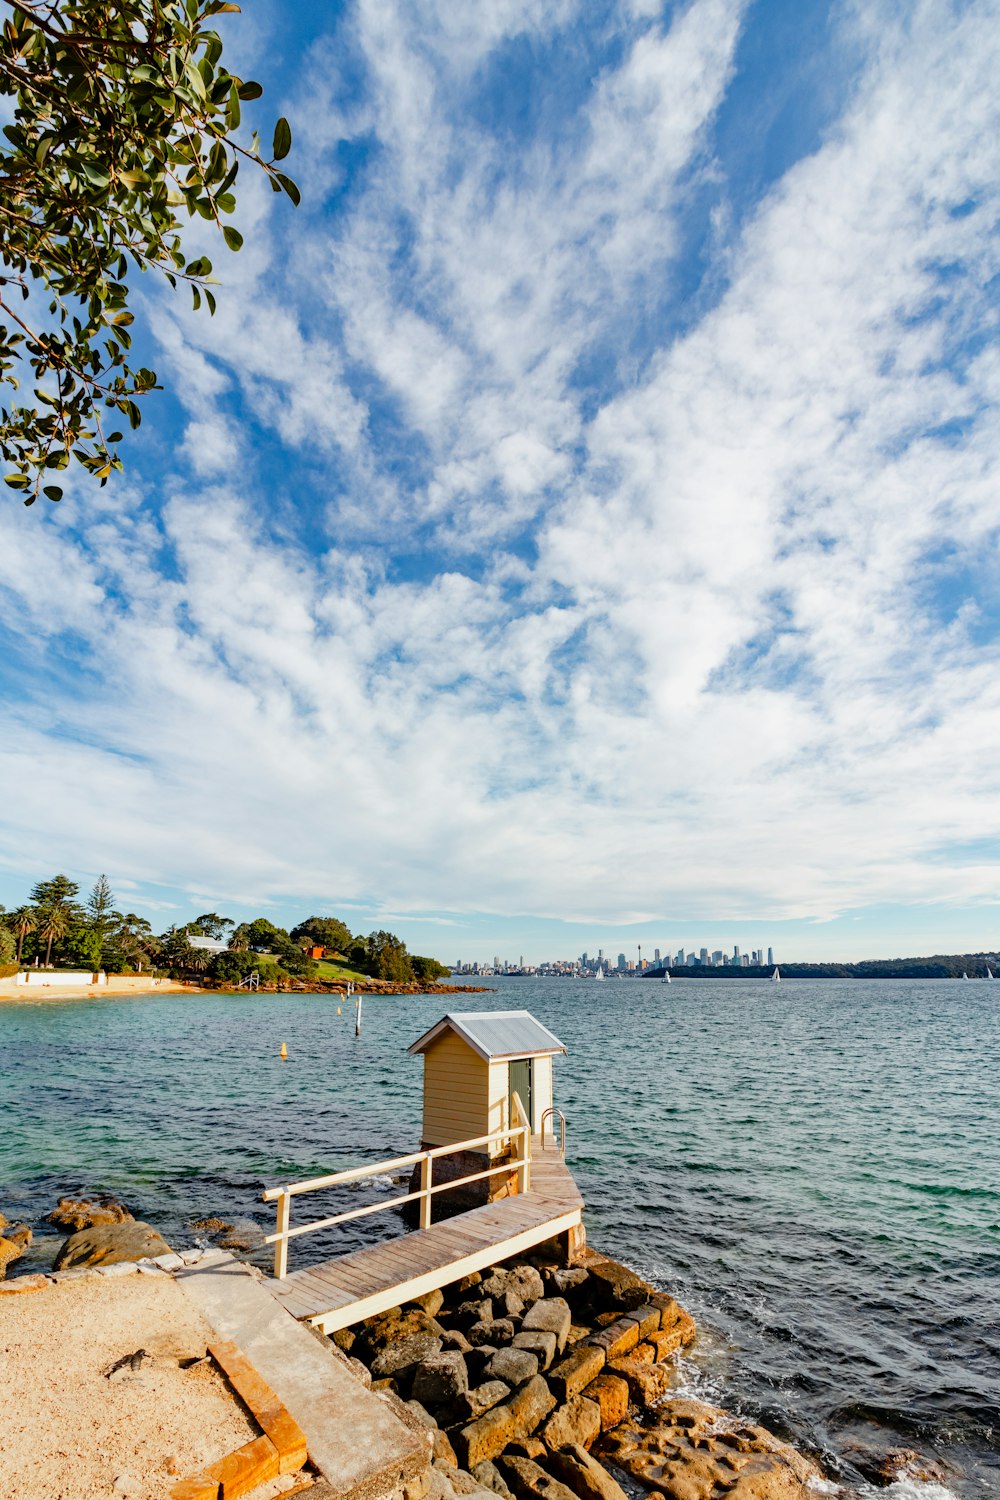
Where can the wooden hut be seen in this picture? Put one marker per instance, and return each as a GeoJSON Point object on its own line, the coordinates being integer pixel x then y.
{"type": "Point", "coordinates": [474, 1063]}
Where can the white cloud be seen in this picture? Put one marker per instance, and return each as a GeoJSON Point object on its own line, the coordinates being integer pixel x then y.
{"type": "Point", "coordinates": [715, 678]}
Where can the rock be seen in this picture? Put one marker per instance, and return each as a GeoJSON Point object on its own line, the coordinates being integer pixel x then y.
{"type": "Point", "coordinates": [84, 1213]}
{"type": "Point", "coordinates": [567, 1279]}
{"type": "Point", "coordinates": [647, 1318]}
{"type": "Point", "coordinates": [613, 1285]}
{"type": "Point", "coordinates": [646, 1382]}
{"type": "Point", "coordinates": [452, 1339]}
{"type": "Point", "coordinates": [466, 1284]}
{"type": "Point", "coordinates": [360, 1371]}
{"type": "Point", "coordinates": [480, 1333]}
{"type": "Point", "coordinates": [211, 1225]}
{"type": "Point", "coordinates": [389, 1327]}
{"type": "Point", "coordinates": [526, 1448]}
{"type": "Point", "coordinates": [539, 1342]}
{"type": "Point", "coordinates": [402, 1355]}
{"type": "Point", "coordinates": [502, 1331]}
{"type": "Point", "coordinates": [431, 1303]}
{"type": "Point", "coordinates": [510, 1305]}
{"type": "Point", "coordinates": [111, 1244]}
{"type": "Point", "coordinates": [588, 1479]}
{"type": "Point", "coordinates": [4, 1221]}
{"type": "Point", "coordinates": [514, 1366]}
{"type": "Point", "coordinates": [665, 1344]}
{"type": "Point", "coordinates": [243, 1235]}
{"type": "Point", "coordinates": [443, 1451]}
{"type": "Point", "coordinates": [345, 1339]}
{"type": "Point", "coordinates": [421, 1413]}
{"type": "Point", "coordinates": [552, 1315]}
{"type": "Point", "coordinates": [385, 1383]}
{"type": "Point", "coordinates": [478, 1359]}
{"type": "Point", "coordinates": [10, 1251]}
{"type": "Point", "coordinates": [484, 1397]}
{"type": "Point", "coordinates": [522, 1280]}
{"type": "Point", "coordinates": [518, 1417]}
{"type": "Point", "coordinates": [617, 1338]}
{"type": "Point", "coordinates": [531, 1482]}
{"type": "Point", "coordinates": [479, 1310]}
{"type": "Point", "coordinates": [20, 1234]}
{"type": "Point", "coordinates": [572, 1374]}
{"type": "Point", "coordinates": [578, 1421]}
{"type": "Point", "coordinates": [464, 1484]}
{"type": "Point", "coordinates": [907, 1464]}
{"type": "Point", "coordinates": [644, 1353]}
{"type": "Point", "coordinates": [697, 1452]}
{"type": "Point", "coordinates": [488, 1475]}
{"type": "Point", "coordinates": [438, 1378]}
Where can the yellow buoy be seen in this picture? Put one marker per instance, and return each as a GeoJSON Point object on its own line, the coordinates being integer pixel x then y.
{"type": "Point", "coordinates": [284, 1052]}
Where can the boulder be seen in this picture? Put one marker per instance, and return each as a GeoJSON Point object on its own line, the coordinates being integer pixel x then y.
{"type": "Point", "coordinates": [463, 1484]}
{"type": "Point", "coordinates": [572, 1374]}
{"type": "Point", "coordinates": [110, 1244]}
{"type": "Point", "coordinates": [443, 1452]}
{"type": "Point", "coordinates": [421, 1413]}
{"type": "Point", "coordinates": [530, 1481]}
{"type": "Point", "coordinates": [488, 1475]}
{"type": "Point", "coordinates": [480, 1333]}
{"type": "Point", "coordinates": [83, 1213]}
{"type": "Point", "coordinates": [648, 1319]}
{"type": "Point", "coordinates": [514, 1366]}
{"type": "Point", "coordinates": [552, 1315]}
{"type": "Point", "coordinates": [438, 1378]}
{"type": "Point", "coordinates": [613, 1285]}
{"type": "Point", "coordinates": [211, 1225]}
{"type": "Point", "coordinates": [539, 1342]}
{"type": "Point", "coordinates": [4, 1221]}
{"type": "Point", "coordinates": [389, 1327]}
{"type": "Point", "coordinates": [588, 1479]}
{"type": "Point", "coordinates": [516, 1418]}
{"type": "Point", "coordinates": [452, 1339]}
{"type": "Point", "coordinates": [567, 1279]}
{"type": "Point", "coordinates": [644, 1353]}
{"type": "Point", "coordinates": [476, 1310]}
{"type": "Point", "coordinates": [502, 1331]}
{"type": "Point", "coordinates": [578, 1421]}
{"type": "Point", "coordinates": [19, 1234]}
{"type": "Point", "coordinates": [646, 1382]}
{"type": "Point", "coordinates": [530, 1447]}
{"type": "Point", "coordinates": [402, 1356]}
{"type": "Point", "coordinates": [10, 1251]}
{"type": "Point", "coordinates": [243, 1235]}
{"type": "Point", "coordinates": [431, 1303]}
{"type": "Point", "coordinates": [521, 1280]}
{"type": "Point", "coordinates": [484, 1397]}
{"type": "Point", "coordinates": [696, 1452]}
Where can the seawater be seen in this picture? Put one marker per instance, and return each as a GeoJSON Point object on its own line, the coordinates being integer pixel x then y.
{"type": "Point", "coordinates": [813, 1169]}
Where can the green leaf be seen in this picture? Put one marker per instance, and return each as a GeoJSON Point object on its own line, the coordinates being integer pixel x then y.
{"type": "Point", "coordinates": [249, 90]}
{"type": "Point", "coordinates": [282, 140]}
{"type": "Point", "coordinates": [52, 492]}
{"type": "Point", "coordinates": [16, 481]}
{"type": "Point", "coordinates": [232, 237]}
{"type": "Point", "coordinates": [290, 188]}
{"type": "Point", "coordinates": [116, 437]}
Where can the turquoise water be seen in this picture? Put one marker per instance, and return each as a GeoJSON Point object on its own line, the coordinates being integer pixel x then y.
{"type": "Point", "coordinates": [815, 1171]}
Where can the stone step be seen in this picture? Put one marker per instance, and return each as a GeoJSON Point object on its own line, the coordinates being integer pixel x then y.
{"type": "Point", "coordinates": [362, 1448]}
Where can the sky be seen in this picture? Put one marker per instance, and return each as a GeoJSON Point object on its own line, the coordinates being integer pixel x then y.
{"type": "Point", "coordinates": [579, 525]}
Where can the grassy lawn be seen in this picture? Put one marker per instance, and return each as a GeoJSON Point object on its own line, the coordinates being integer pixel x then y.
{"type": "Point", "coordinates": [327, 969]}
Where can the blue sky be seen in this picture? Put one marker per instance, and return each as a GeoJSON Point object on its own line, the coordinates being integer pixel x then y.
{"type": "Point", "coordinates": [579, 526]}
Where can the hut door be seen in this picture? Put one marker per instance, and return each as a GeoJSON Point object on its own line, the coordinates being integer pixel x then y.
{"type": "Point", "coordinates": [519, 1074]}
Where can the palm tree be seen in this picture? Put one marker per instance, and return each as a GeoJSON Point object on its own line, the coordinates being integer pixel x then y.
{"type": "Point", "coordinates": [23, 921]}
{"type": "Point", "coordinates": [54, 924]}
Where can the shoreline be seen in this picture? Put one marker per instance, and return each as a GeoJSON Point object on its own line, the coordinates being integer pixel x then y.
{"type": "Point", "coordinates": [148, 989]}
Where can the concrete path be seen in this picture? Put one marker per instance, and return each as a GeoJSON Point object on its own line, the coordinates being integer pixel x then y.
{"type": "Point", "coordinates": [363, 1449]}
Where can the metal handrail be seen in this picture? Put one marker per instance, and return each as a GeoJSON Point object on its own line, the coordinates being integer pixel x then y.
{"type": "Point", "coordinates": [551, 1113]}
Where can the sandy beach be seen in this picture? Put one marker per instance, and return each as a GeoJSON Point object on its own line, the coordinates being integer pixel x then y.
{"type": "Point", "coordinates": [118, 987]}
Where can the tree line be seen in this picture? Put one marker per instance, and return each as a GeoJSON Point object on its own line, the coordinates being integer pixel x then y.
{"type": "Point", "coordinates": [56, 927]}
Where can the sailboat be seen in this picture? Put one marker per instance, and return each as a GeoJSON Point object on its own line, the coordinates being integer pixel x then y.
{"type": "Point", "coordinates": [989, 972]}
{"type": "Point", "coordinates": [599, 974]}
{"type": "Point", "coordinates": [666, 977]}
{"type": "Point", "coordinates": [776, 976]}
{"type": "Point", "coordinates": [965, 976]}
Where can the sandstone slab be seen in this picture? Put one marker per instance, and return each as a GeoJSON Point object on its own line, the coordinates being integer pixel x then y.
{"type": "Point", "coordinates": [550, 1315]}
{"type": "Point", "coordinates": [578, 1421]}
{"type": "Point", "coordinates": [646, 1382]}
{"type": "Point", "coordinates": [617, 1338]}
{"type": "Point", "coordinates": [514, 1366]}
{"type": "Point", "coordinates": [572, 1374]}
{"type": "Point", "coordinates": [538, 1342]}
{"type": "Point", "coordinates": [588, 1479]}
{"type": "Point", "coordinates": [518, 1417]}
{"type": "Point", "coordinates": [440, 1378]}
{"type": "Point", "coordinates": [611, 1394]}
{"type": "Point", "coordinates": [697, 1452]}
{"type": "Point", "coordinates": [530, 1481]}
{"type": "Point", "coordinates": [82, 1213]}
{"type": "Point", "coordinates": [402, 1356]}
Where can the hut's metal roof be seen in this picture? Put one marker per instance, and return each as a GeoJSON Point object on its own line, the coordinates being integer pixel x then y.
{"type": "Point", "coordinates": [495, 1034]}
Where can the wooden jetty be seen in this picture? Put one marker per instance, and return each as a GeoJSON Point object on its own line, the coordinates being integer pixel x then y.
{"type": "Point", "coordinates": [480, 1068]}
{"type": "Point", "coordinates": [339, 1292]}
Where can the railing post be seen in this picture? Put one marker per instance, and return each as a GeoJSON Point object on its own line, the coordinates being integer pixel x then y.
{"type": "Point", "coordinates": [425, 1188]}
{"type": "Point", "coordinates": [524, 1160]}
{"type": "Point", "coordinates": [281, 1246]}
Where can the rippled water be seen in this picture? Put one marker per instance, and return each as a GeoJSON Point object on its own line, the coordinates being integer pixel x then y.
{"type": "Point", "coordinates": [814, 1170]}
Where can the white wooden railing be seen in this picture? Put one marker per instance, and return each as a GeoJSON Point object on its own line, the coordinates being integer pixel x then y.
{"type": "Point", "coordinates": [517, 1135]}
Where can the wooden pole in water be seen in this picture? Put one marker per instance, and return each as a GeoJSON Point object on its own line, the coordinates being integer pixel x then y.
{"type": "Point", "coordinates": [357, 1016]}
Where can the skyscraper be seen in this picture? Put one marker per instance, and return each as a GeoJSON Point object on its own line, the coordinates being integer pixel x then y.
{"type": "Point", "coordinates": [770, 957]}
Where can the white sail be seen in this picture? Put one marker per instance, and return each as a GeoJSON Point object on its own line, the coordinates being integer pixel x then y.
{"type": "Point", "coordinates": [989, 972]}
{"type": "Point", "coordinates": [599, 974]}
{"type": "Point", "coordinates": [776, 976]}
{"type": "Point", "coordinates": [965, 976]}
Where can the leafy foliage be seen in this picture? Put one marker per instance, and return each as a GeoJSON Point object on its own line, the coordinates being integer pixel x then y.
{"type": "Point", "coordinates": [325, 932]}
{"type": "Point", "coordinates": [8, 946]}
{"type": "Point", "coordinates": [124, 121]}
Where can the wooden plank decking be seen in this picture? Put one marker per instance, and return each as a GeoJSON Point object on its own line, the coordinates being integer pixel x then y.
{"type": "Point", "coordinates": [342, 1291]}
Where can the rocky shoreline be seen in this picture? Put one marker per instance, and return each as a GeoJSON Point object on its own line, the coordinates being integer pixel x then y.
{"type": "Point", "coordinates": [533, 1380]}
